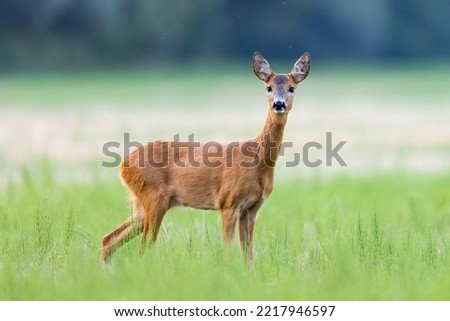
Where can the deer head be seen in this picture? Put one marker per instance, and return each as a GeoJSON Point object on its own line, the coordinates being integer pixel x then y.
{"type": "Point", "coordinates": [281, 87]}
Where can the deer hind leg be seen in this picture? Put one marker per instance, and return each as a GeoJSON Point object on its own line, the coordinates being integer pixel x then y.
{"type": "Point", "coordinates": [246, 229]}
{"type": "Point", "coordinates": [124, 232]}
{"type": "Point", "coordinates": [154, 210]}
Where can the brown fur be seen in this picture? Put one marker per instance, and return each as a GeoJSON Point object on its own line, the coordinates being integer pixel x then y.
{"type": "Point", "coordinates": [236, 180]}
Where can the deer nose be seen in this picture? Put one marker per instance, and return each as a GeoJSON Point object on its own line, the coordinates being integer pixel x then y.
{"type": "Point", "coordinates": [279, 106]}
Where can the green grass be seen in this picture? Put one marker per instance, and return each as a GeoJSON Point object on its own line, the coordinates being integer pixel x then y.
{"type": "Point", "coordinates": [382, 237]}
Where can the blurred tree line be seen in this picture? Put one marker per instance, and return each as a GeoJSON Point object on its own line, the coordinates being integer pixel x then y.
{"type": "Point", "coordinates": [55, 33]}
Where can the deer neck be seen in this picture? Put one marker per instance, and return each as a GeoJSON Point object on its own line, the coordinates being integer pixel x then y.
{"type": "Point", "coordinates": [270, 139]}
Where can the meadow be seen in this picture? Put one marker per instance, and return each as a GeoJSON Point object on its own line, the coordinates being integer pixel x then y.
{"type": "Point", "coordinates": [378, 229]}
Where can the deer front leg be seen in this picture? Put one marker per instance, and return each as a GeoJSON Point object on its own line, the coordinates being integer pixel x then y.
{"type": "Point", "coordinates": [246, 228]}
{"type": "Point", "coordinates": [229, 218]}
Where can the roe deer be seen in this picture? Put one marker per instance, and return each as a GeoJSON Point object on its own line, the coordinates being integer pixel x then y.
{"type": "Point", "coordinates": [236, 180]}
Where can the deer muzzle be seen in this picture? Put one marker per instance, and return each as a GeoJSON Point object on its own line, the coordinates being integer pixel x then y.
{"type": "Point", "coordinates": [279, 107]}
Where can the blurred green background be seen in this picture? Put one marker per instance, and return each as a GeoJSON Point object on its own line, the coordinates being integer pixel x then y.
{"type": "Point", "coordinates": [81, 33]}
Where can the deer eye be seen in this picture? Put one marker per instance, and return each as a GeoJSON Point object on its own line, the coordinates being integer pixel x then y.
{"type": "Point", "coordinates": [291, 89]}
{"type": "Point", "coordinates": [269, 89]}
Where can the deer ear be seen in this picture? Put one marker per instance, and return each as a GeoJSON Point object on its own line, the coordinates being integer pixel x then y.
{"type": "Point", "coordinates": [261, 67]}
{"type": "Point", "coordinates": [301, 68]}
